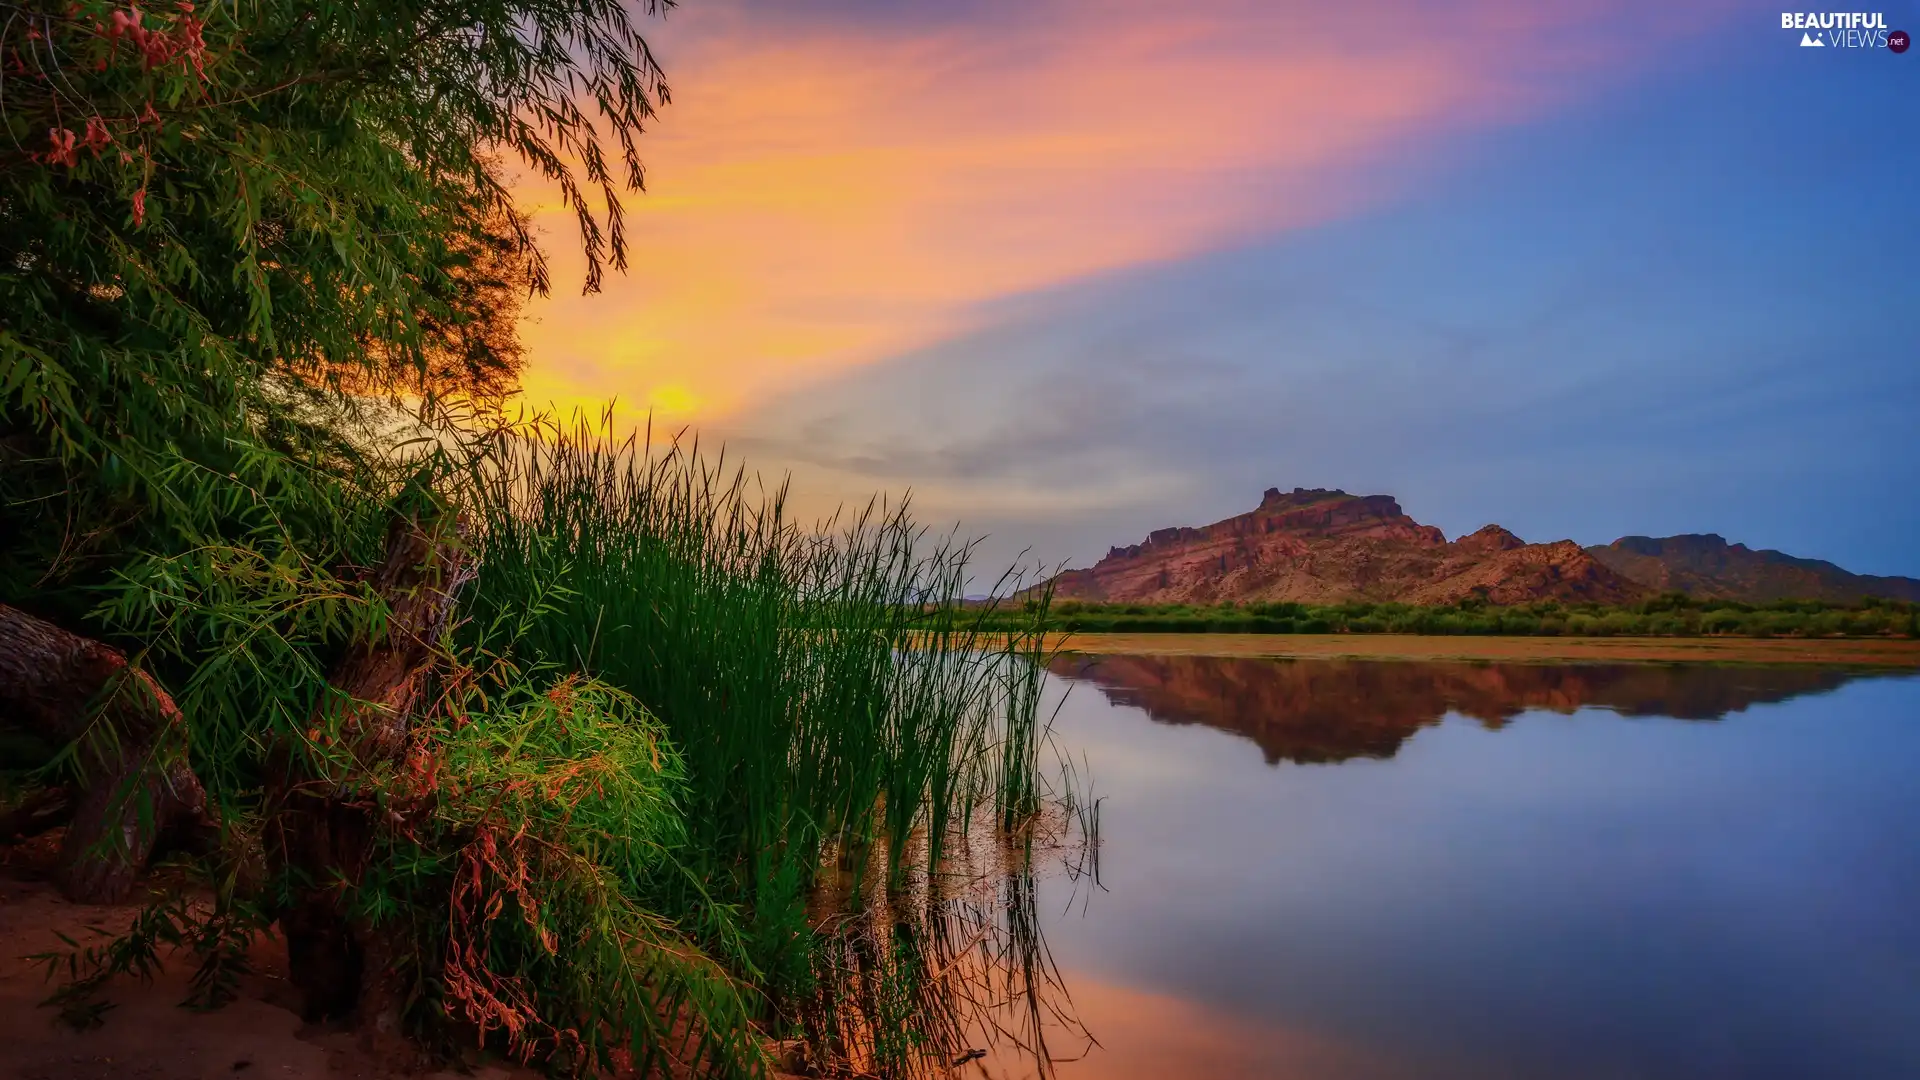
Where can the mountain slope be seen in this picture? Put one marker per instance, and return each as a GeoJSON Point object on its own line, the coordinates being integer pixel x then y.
{"type": "Point", "coordinates": [1321, 546]}
{"type": "Point", "coordinates": [1705, 565]}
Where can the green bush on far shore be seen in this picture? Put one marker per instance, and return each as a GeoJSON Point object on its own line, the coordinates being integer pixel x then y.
{"type": "Point", "coordinates": [1666, 615]}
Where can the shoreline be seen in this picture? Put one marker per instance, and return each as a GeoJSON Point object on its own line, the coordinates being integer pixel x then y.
{"type": "Point", "coordinates": [1883, 653]}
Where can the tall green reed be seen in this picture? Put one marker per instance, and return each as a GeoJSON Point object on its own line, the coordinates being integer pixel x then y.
{"type": "Point", "coordinates": [843, 715]}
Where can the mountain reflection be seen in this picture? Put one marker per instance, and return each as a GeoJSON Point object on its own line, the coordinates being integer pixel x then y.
{"type": "Point", "coordinates": [1310, 711]}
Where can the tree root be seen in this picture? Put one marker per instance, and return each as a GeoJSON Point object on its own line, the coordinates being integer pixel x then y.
{"type": "Point", "coordinates": [131, 751]}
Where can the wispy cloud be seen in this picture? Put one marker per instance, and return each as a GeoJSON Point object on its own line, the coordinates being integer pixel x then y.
{"type": "Point", "coordinates": [829, 191]}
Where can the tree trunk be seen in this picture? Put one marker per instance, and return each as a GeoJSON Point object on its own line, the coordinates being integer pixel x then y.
{"type": "Point", "coordinates": [322, 831]}
{"type": "Point", "coordinates": [136, 782]}
{"type": "Point", "coordinates": [37, 813]}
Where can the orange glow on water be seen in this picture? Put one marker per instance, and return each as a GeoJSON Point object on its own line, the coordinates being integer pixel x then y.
{"type": "Point", "coordinates": [1145, 1035]}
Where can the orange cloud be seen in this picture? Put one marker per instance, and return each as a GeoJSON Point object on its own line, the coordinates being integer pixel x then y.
{"type": "Point", "coordinates": [826, 195]}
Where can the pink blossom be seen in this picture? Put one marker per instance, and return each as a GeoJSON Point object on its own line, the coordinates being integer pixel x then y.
{"type": "Point", "coordinates": [62, 152]}
{"type": "Point", "coordinates": [97, 134]}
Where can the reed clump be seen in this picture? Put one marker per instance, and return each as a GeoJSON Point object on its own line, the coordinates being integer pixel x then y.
{"type": "Point", "coordinates": [841, 714]}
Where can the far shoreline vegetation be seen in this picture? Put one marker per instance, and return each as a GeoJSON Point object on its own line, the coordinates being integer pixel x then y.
{"type": "Point", "coordinates": [1666, 615]}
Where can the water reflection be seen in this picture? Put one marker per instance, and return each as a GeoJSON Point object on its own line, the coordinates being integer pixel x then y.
{"type": "Point", "coordinates": [1605, 887]}
{"type": "Point", "coordinates": [1318, 711]}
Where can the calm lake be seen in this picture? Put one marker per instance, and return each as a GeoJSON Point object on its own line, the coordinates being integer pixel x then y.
{"type": "Point", "coordinates": [1345, 869]}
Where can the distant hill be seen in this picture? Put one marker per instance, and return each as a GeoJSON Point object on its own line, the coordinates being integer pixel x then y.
{"type": "Point", "coordinates": [1316, 546]}
{"type": "Point", "coordinates": [1705, 565]}
{"type": "Point", "coordinates": [1321, 546]}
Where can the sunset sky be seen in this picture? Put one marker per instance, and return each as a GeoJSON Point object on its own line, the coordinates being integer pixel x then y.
{"type": "Point", "coordinates": [1072, 270]}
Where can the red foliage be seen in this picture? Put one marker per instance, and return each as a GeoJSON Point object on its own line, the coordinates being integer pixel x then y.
{"type": "Point", "coordinates": [62, 152]}
{"type": "Point", "coordinates": [490, 873]}
{"type": "Point", "coordinates": [97, 134]}
{"type": "Point", "coordinates": [183, 41]}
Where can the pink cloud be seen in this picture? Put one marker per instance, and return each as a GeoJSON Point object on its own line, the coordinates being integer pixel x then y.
{"type": "Point", "coordinates": [826, 194]}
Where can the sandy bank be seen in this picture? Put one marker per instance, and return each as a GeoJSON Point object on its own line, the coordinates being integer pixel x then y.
{"type": "Point", "coordinates": [147, 1036]}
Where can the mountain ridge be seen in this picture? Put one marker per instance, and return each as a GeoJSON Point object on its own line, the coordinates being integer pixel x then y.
{"type": "Point", "coordinates": [1327, 546]}
{"type": "Point", "coordinates": [1706, 565]}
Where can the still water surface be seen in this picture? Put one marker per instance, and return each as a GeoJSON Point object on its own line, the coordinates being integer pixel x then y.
{"type": "Point", "coordinates": [1370, 869]}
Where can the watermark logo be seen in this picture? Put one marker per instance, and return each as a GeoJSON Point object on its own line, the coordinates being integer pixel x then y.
{"type": "Point", "coordinates": [1844, 30]}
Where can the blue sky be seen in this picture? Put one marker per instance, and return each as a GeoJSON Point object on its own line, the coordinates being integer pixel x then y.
{"type": "Point", "coordinates": [1683, 304]}
{"type": "Point", "coordinates": [1071, 270]}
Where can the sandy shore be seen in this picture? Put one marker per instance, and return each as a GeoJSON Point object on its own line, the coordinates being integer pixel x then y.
{"type": "Point", "coordinates": [1841, 652]}
{"type": "Point", "coordinates": [146, 1035]}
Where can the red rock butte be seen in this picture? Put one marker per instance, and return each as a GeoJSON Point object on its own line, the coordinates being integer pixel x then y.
{"type": "Point", "coordinates": [1318, 546]}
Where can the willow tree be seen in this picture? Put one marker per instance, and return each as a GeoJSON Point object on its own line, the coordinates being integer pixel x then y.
{"type": "Point", "coordinates": [225, 228]}
{"type": "Point", "coordinates": [214, 218]}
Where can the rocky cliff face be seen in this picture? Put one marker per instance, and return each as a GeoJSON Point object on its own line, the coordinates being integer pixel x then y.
{"type": "Point", "coordinates": [1706, 565]}
{"type": "Point", "coordinates": [1318, 546]}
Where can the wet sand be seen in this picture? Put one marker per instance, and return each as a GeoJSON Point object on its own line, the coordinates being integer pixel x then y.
{"type": "Point", "coordinates": [1832, 652]}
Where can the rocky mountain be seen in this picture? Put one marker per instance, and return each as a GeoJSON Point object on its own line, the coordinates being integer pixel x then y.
{"type": "Point", "coordinates": [1707, 566]}
{"type": "Point", "coordinates": [1322, 547]}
